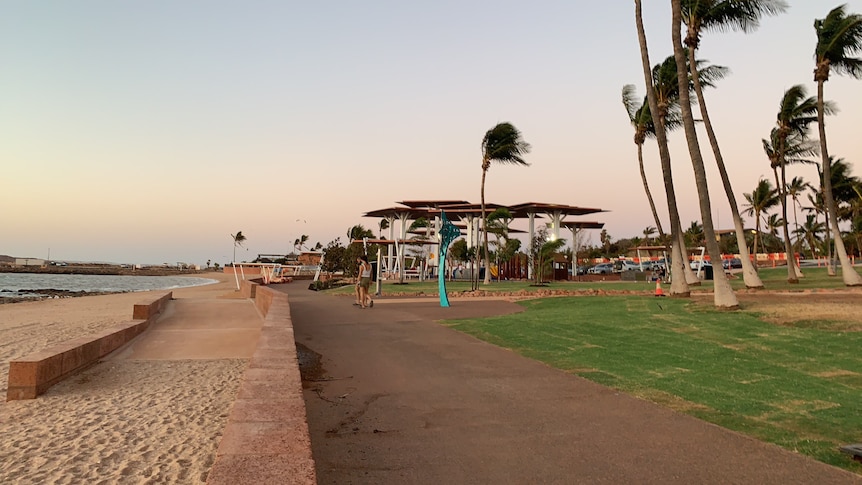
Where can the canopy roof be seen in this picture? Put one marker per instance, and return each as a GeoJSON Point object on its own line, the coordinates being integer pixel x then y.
{"type": "Point", "coordinates": [397, 212]}
{"type": "Point", "coordinates": [522, 210]}
{"type": "Point", "coordinates": [582, 224]}
{"type": "Point", "coordinates": [413, 209]}
{"type": "Point", "coordinates": [426, 204]}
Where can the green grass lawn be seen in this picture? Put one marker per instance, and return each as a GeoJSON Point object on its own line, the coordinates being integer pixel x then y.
{"type": "Point", "coordinates": [773, 279]}
{"type": "Point", "coordinates": [800, 388]}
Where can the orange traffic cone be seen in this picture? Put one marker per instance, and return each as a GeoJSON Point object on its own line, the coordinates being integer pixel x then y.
{"type": "Point", "coordinates": [658, 291]}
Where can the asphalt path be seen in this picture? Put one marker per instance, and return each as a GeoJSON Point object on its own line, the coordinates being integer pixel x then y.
{"type": "Point", "coordinates": [400, 399]}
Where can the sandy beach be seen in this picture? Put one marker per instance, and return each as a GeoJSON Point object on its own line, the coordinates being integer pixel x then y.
{"type": "Point", "coordinates": [121, 421]}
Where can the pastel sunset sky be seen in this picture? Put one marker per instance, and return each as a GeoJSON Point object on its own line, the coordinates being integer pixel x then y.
{"type": "Point", "coordinates": [149, 132]}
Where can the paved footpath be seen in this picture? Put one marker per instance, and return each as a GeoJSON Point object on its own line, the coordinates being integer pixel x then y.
{"type": "Point", "coordinates": [404, 400]}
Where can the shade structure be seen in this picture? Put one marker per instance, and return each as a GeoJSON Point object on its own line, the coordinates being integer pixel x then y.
{"type": "Point", "coordinates": [470, 216]}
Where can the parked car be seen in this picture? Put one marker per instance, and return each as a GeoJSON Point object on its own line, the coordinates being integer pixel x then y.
{"type": "Point", "coordinates": [659, 263]}
{"type": "Point", "coordinates": [582, 270]}
{"type": "Point", "coordinates": [699, 264]}
{"type": "Point", "coordinates": [732, 263]}
{"type": "Point", "coordinates": [602, 268]}
{"type": "Point", "coordinates": [626, 265]}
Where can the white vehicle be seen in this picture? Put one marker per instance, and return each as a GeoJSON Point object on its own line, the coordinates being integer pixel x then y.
{"type": "Point", "coordinates": [602, 268]}
{"type": "Point", "coordinates": [626, 265]}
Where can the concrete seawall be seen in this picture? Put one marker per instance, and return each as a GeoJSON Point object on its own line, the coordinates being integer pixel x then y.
{"type": "Point", "coordinates": [266, 438]}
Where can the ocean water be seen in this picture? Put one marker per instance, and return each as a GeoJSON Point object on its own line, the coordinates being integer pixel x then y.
{"type": "Point", "coordinates": [23, 285]}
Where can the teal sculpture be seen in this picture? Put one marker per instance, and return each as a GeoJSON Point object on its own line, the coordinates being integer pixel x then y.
{"type": "Point", "coordinates": [448, 233]}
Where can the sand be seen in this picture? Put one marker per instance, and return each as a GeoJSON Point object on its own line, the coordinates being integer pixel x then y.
{"type": "Point", "coordinates": [121, 421]}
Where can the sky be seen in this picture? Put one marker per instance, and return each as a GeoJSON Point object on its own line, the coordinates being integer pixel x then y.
{"type": "Point", "coordinates": [150, 132]}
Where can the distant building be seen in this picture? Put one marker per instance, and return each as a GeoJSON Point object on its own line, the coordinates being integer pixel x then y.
{"type": "Point", "coordinates": [310, 258]}
{"type": "Point", "coordinates": [271, 257]}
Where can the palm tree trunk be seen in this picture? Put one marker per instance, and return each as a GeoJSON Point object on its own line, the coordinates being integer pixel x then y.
{"type": "Point", "coordinates": [827, 238]}
{"type": "Point", "coordinates": [690, 276]}
{"type": "Point", "coordinates": [850, 276]}
{"type": "Point", "coordinates": [756, 234]}
{"type": "Point", "coordinates": [724, 296]}
{"type": "Point", "coordinates": [796, 221]}
{"type": "Point", "coordinates": [793, 272]}
{"type": "Point", "coordinates": [649, 194]}
{"type": "Point", "coordinates": [678, 286]}
{"type": "Point", "coordinates": [484, 223]}
{"type": "Point", "coordinates": [749, 273]}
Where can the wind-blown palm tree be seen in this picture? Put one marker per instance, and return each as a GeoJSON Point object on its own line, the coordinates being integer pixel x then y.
{"type": "Point", "coordinates": [810, 232]}
{"type": "Point", "coordinates": [795, 189]}
{"type": "Point", "coordinates": [300, 242]}
{"type": "Point", "coordinates": [818, 206]}
{"type": "Point", "coordinates": [704, 15]}
{"type": "Point", "coordinates": [679, 286]}
{"type": "Point", "coordinates": [723, 295]}
{"type": "Point", "coordinates": [844, 186]}
{"type": "Point", "coordinates": [238, 240]}
{"type": "Point", "coordinates": [641, 120]}
{"type": "Point", "coordinates": [694, 234]}
{"type": "Point", "coordinates": [666, 86]}
{"type": "Point", "coordinates": [648, 232]}
{"type": "Point", "coordinates": [789, 144]}
{"type": "Point", "coordinates": [502, 144]}
{"type": "Point", "coordinates": [773, 223]}
{"type": "Point", "coordinates": [839, 38]}
{"type": "Point", "coordinates": [763, 198]}
{"type": "Point", "coordinates": [847, 190]}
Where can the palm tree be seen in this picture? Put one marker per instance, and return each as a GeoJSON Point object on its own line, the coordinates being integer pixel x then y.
{"type": "Point", "coordinates": [665, 78]}
{"type": "Point", "coordinates": [790, 145]}
{"type": "Point", "coordinates": [839, 37]}
{"type": "Point", "coordinates": [641, 120]}
{"type": "Point", "coordinates": [844, 186]}
{"type": "Point", "coordinates": [810, 231]}
{"type": "Point", "coordinates": [679, 286]}
{"type": "Point", "coordinates": [300, 242]}
{"type": "Point", "coordinates": [648, 232]}
{"type": "Point", "coordinates": [773, 223]}
{"type": "Point", "coordinates": [763, 198]}
{"type": "Point", "coordinates": [502, 144]}
{"type": "Point", "coordinates": [544, 255]}
{"type": "Point", "coordinates": [795, 188]}
{"type": "Point", "coordinates": [238, 240]}
{"type": "Point", "coordinates": [818, 205]}
{"type": "Point", "coordinates": [847, 190]}
{"type": "Point", "coordinates": [724, 297]}
{"type": "Point", "coordinates": [694, 234]}
{"type": "Point", "coordinates": [744, 15]}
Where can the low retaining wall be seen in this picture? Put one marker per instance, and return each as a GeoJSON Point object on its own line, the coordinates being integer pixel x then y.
{"type": "Point", "coordinates": [33, 374]}
{"type": "Point", "coordinates": [248, 289]}
{"type": "Point", "coordinates": [266, 438]}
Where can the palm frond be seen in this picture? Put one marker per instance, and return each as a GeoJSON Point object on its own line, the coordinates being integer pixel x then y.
{"type": "Point", "coordinates": [503, 144]}
{"type": "Point", "coordinates": [629, 93]}
{"type": "Point", "coordinates": [735, 15]}
{"type": "Point", "coordinates": [839, 38]}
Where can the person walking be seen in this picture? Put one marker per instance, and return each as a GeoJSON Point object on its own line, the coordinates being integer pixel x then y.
{"type": "Point", "coordinates": [363, 281]}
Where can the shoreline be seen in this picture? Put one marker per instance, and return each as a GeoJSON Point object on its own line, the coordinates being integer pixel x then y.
{"type": "Point", "coordinates": [106, 270]}
{"type": "Point", "coordinates": [9, 296]}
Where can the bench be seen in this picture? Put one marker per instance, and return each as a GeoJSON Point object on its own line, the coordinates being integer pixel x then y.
{"type": "Point", "coordinates": [854, 450]}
